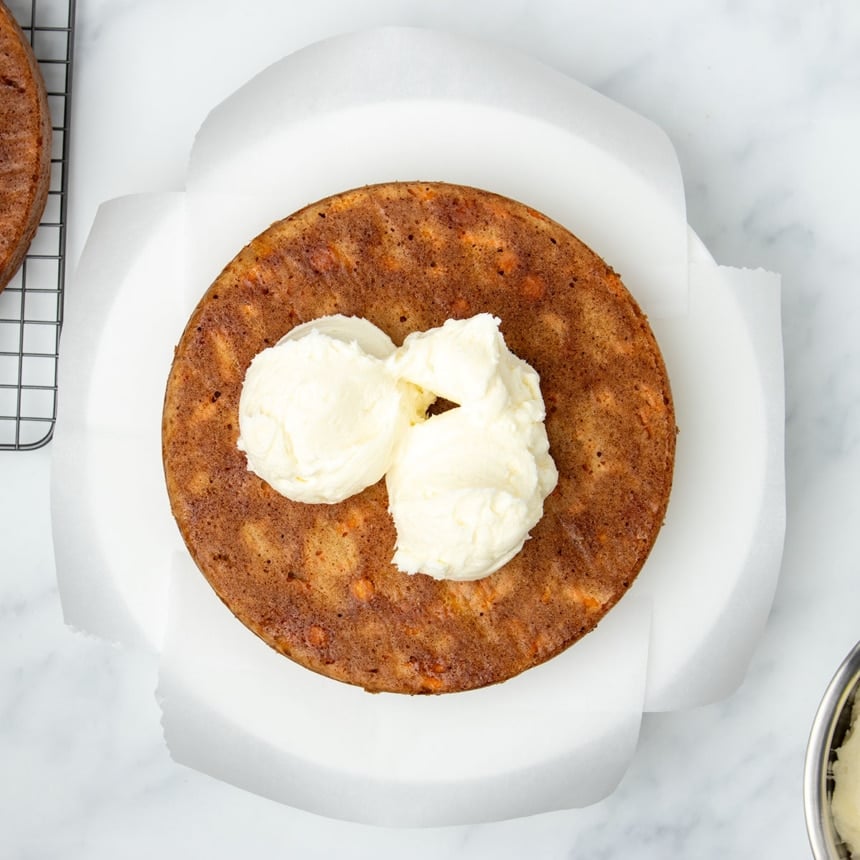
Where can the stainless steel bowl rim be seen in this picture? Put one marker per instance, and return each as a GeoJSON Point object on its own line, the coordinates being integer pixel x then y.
{"type": "Point", "coordinates": [815, 800]}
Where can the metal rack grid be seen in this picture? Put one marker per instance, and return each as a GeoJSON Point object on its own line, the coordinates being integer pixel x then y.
{"type": "Point", "coordinates": [31, 306]}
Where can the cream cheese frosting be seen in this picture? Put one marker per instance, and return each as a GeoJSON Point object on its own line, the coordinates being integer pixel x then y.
{"type": "Point", "coordinates": [846, 787]}
{"type": "Point", "coordinates": [466, 486]}
{"type": "Point", "coordinates": [320, 413]}
{"type": "Point", "coordinates": [334, 406]}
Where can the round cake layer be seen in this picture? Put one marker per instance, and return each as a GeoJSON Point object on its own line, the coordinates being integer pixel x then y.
{"type": "Point", "coordinates": [25, 146]}
{"type": "Point", "coordinates": [316, 581]}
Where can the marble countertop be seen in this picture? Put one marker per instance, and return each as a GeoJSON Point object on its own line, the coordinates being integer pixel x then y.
{"type": "Point", "coordinates": [762, 102]}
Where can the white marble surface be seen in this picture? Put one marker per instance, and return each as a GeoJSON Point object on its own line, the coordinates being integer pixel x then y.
{"type": "Point", "coordinates": [762, 101]}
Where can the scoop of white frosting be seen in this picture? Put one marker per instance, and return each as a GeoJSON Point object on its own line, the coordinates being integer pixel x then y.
{"type": "Point", "coordinates": [320, 412]}
{"type": "Point", "coordinates": [333, 407]}
{"type": "Point", "coordinates": [466, 486]}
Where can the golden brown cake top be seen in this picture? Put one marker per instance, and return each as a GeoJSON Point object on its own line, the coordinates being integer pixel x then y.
{"type": "Point", "coordinates": [316, 581]}
{"type": "Point", "coordinates": [25, 145]}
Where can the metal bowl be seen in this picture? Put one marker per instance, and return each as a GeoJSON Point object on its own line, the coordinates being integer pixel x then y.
{"type": "Point", "coordinates": [828, 732]}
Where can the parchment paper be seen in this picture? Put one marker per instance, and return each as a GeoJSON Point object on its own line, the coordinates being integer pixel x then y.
{"type": "Point", "coordinates": [559, 735]}
{"type": "Point", "coordinates": [402, 103]}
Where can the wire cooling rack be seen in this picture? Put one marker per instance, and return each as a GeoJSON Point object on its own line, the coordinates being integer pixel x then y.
{"type": "Point", "coordinates": [31, 306]}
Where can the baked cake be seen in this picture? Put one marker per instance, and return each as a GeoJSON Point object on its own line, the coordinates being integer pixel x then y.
{"type": "Point", "coordinates": [316, 581]}
{"type": "Point", "coordinates": [25, 146]}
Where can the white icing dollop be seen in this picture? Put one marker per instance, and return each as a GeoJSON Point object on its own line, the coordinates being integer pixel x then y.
{"type": "Point", "coordinates": [333, 407]}
{"type": "Point", "coordinates": [467, 486]}
{"type": "Point", "coordinates": [320, 412]}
